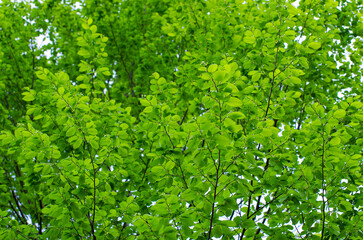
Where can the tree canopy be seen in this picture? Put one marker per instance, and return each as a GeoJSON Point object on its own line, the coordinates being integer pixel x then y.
{"type": "Point", "coordinates": [187, 119]}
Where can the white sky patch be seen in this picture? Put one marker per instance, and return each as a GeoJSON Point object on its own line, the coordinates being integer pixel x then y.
{"type": "Point", "coordinates": [296, 3]}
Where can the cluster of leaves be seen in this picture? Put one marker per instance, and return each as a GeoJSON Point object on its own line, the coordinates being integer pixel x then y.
{"type": "Point", "coordinates": [181, 119]}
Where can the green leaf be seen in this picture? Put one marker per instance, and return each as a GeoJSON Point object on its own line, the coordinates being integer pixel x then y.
{"type": "Point", "coordinates": [266, 132]}
{"type": "Point", "coordinates": [56, 154]}
{"type": "Point", "coordinates": [335, 141]}
{"type": "Point", "coordinates": [340, 113]}
{"type": "Point", "coordinates": [357, 104]}
{"type": "Point", "coordinates": [212, 68]}
{"type": "Point", "coordinates": [30, 155]}
{"type": "Point", "coordinates": [280, 112]}
{"type": "Point", "coordinates": [156, 75]}
{"type": "Point", "coordinates": [71, 131]}
{"type": "Point", "coordinates": [222, 140]}
{"type": "Point", "coordinates": [314, 45]}
{"type": "Point", "coordinates": [157, 170]}
{"type": "Point", "coordinates": [144, 102]}
{"type": "Point", "coordinates": [92, 131]}
{"type": "Point", "coordinates": [295, 80]}
{"type": "Point", "coordinates": [236, 115]}
{"type": "Point", "coordinates": [28, 97]}
{"type": "Point", "coordinates": [234, 102]}
{"type": "Point", "coordinates": [249, 39]}
{"type": "Point", "coordinates": [248, 89]}
{"type": "Point", "coordinates": [94, 144]}
{"type": "Point", "coordinates": [206, 76]}
{"type": "Point", "coordinates": [308, 174]}
{"type": "Point", "coordinates": [46, 170]}
{"type": "Point", "coordinates": [148, 109]}
{"type": "Point", "coordinates": [290, 33]}
{"type": "Point", "coordinates": [161, 81]}
{"type": "Point", "coordinates": [93, 28]}
{"type": "Point", "coordinates": [85, 26]}
{"type": "Point", "coordinates": [105, 141]}
{"type": "Point", "coordinates": [84, 53]}
{"type": "Point", "coordinates": [77, 143]}
{"type": "Point", "coordinates": [256, 77]}
{"type": "Point", "coordinates": [61, 90]}
{"type": "Point", "coordinates": [347, 206]}
{"type": "Point", "coordinates": [169, 165]}
{"type": "Point", "coordinates": [188, 195]}
{"type": "Point", "coordinates": [219, 76]}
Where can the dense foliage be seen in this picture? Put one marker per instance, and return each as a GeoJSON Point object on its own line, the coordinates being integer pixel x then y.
{"type": "Point", "coordinates": [184, 119]}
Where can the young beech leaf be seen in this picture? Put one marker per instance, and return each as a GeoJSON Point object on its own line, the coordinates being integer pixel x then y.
{"type": "Point", "coordinates": [340, 113]}
{"type": "Point", "coordinates": [314, 45]}
{"type": "Point", "coordinates": [156, 75]}
{"type": "Point", "coordinates": [161, 81]}
{"type": "Point", "coordinates": [236, 115]}
{"type": "Point", "coordinates": [169, 165]}
{"type": "Point", "coordinates": [335, 141]}
{"type": "Point", "coordinates": [61, 90]}
{"type": "Point", "coordinates": [28, 97]}
{"type": "Point", "coordinates": [77, 143]}
{"type": "Point", "coordinates": [212, 68]}
{"type": "Point", "coordinates": [248, 89]}
{"type": "Point", "coordinates": [71, 131]}
{"type": "Point", "coordinates": [219, 76]}
{"type": "Point", "coordinates": [222, 140]}
{"type": "Point", "coordinates": [234, 102]}
{"type": "Point", "coordinates": [94, 144]}
{"type": "Point", "coordinates": [148, 109]}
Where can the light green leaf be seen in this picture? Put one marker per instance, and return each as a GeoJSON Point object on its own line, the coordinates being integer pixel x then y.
{"type": "Point", "coordinates": [94, 144]}
{"type": "Point", "coordinates": [28, 97]}
{"type": "Point", "coordinates": [93, 28]}
{"type": "Point", "coordinates": [206, 76]}
{"type": "Point", "coordinates": [236, 115]}
{"type": "Point", "coordinates": [156, 75]}
{"type": "Point", "coordinates": [335, 141]}
{"type": "Point", "coordinates": [77, 143]}
{"type": "Point", "coordinates": [212, 68]}
{"type": "Point", "coordinates": [249, 39]}
{"type": "Point", "coordinates": [84, 53]}
{"type": "Point", "coordinates": [169, 165]}
{"type": "Point", "coordinates": [256, 77]}
{"type": "Point", "coordinates": [56, 154]}
{"type": "Point", "coordinates": [314, 45]}
{"type": "Point", "coordinates": [234, 102]}
{"type": "Point", "coordinates": [290, 33]}
{"type": "Point", "coordinates": [308, 174]}
{"type": "Point", "coordinates": [157, 170]}
{"type": "Point", "coordinates": [92, 131]}
{"type": "Point", "coordinates": [295, 80]}
{"type": "Point", "coordinates": [248, 89]}
{"type": "Point", "coordinates": [219, 76]}
{"type": "Point", "coordinates": [161, 81]}
{"type": "Point", "coordinates": [61, 90]}
{"type": "Point", "coordinates": [266, 132]}
{"type": "Point", "coordinates": [71, 131]}
{"type": "Point", "coordinates": [148, 109]}
{"type": "Point", "coordinates": [340, 113]}
{"type": "Point", "coordinates": [222, 140]}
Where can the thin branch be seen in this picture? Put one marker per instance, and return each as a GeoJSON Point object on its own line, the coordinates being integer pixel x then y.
{"type": "Point", "coordinates": [17, 214]}
{"type": "Point", "coordinates": [214, 196]}
{"type": "Point", "coordinates": [323, 187]}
